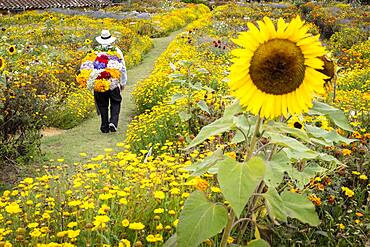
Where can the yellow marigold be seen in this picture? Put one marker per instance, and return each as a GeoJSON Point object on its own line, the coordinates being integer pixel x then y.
{"type": "Point", "coordinates": [136, 226]}
{"type": "Point", "coordinates": [101, 85]}
{"type": "Point", "coordinates": [100, 221]}
{"type": "Point", "coordinates": [159, 195]}
{"type": "Point", "coordinates": [115, 73]}
{"type": "Point", "coordinates": [201, 184]}
{"type": "Point", "coordinates": [125, 222]}
{"type": "Point", "coordinates": [83, 77]}
{"type": "Point", "coordinates": [124, 243]}
{"type": "Point", "coordinates": [348, 192]}
{"type": "Point", "coordinates": [363, 177]}
{"type": "Point", "coordinates": [346, 152]}
{"type": "Point", "coordinates": [73, 234]}
{"type": "Point", "coordinates": [13, 208]}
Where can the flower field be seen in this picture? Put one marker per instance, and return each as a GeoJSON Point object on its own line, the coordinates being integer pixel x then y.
{"type": "Point", "coordinates": [197, 166]}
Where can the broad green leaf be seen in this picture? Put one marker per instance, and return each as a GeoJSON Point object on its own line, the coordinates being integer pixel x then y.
{"type": "Point", "coordinates": [184, 116]}
{"type": "Point", "coordinates": [298, 206]}
{"type": "Point", "coordinates": [233, 109]}
{"type": "Point", "coordinates": [291, 204]}
{"type": "Point", "coordinates": [282, 128]}
{"type": "Point", "coordinates": [217, 127]}
{"type": "Point", "coordinates": [238, 180]}
{"type": "Point", "coordinates": [258, 243]}
{"type": "Point", "coordinates": [330, 137]}
{"type": "Point", "coordinates": [275, 205]}
{"type": "Point", "coordinates": [176, 97]}
{"type": "Point", "coordinates": [295, 155]}
{"type": "Point", "coordinates": [203, 105]}
{"type": "Point", "coordinates": [171, 242]}
{"type": "Point", "coordinates": [287, 141]}
{"type": "Point", "coordinates": [197, 86]}
{"type": "Point", "coordinates": [238, 138]}
{"type": "Point", "coordinates": [201, 167]}
{"type": "Point", "coordinates": [335, 115]}
{"type": "Point", "coordinates": [276, 168]}
{"type": "Point", "coordinates": [199, 220]}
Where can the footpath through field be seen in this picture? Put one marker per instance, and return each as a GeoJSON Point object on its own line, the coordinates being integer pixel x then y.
{"type": "Point", "coordinates": [87, 138]}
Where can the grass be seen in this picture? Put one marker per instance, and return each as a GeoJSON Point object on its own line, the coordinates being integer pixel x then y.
{"type": "Point", "coordinates": [87, 136]}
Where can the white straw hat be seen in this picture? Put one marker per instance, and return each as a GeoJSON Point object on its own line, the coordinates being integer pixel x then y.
{"type": "Point", "coordinates": [105, 38]}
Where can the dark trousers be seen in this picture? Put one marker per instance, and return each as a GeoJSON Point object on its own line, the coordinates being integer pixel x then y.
{"type": "Point", "coordinates": [102, 102]}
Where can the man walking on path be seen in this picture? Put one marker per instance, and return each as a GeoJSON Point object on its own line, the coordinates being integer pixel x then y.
{"type": "Point", "coordinates": [113, 95]}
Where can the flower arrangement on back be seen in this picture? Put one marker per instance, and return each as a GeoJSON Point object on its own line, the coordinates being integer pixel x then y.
{"type": "Point", "coordinates": [103, 70]}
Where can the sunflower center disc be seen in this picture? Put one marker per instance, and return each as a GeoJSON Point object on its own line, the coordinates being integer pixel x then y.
{"type": "Point", "coordinates": [277, 67]}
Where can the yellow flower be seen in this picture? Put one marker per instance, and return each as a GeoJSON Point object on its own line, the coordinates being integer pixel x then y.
{"type": "Point", "coordinates": [33, 225]}
{"type": "Point", "coordinates": [215, 189]}
{"type": "Point", "coordinates": [101, 85]}
{"type": "Point", "coordinates": [12, 49]}
{"type": "Point", "coordinates": [136, 226]}
{"type": "Point", "coordinates": [124, 243]}
{"type": "Point", "coordinates": [72, 224]}
{"type": "Point", "coordinates": [114, 73]}
{"type": "Point", "coordinates": [62, 234]}
{"type": "Point", "coordinates": [125, 222]}
{"type": "Point", "coordinates": [2, 63]}
{"type": "Point", "coordinates": [151, 239]}
{"type": "Point", "coordinates": [100, 221]}
{"type": "Point", "coordinates": [230, 240]}
{"type": "Point", "coordinates": [363, 177]}
{"type": "Point", "coordinates": [35, 233]}
{"type": "Point", "coordinates": [201, 184]}
{"type": "Point", "coordinates": [348, 192]}
{"type": "Point", "coordinates": [88, 41]}
{"type": "Point", "coordinates": [275, 71]}
{"type": "Point", "coordinates": [158, 210]}
{"type": "Point", "coordinates": [159, 195]}
{"type": "Point", "coordinates": [346, 152]}
{"type": "Point", "coordinates": [341, 226]}
{"type": "Point", "coordinates": [73, 234]}
{"type": "Point", "coordinates": [13, 208]}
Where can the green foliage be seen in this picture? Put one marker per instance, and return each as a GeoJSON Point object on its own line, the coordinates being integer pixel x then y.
{"type": "Point", "coordinates": [347, 37]}
{"type": "Point", "coordinates": [199, 220]}
{"type": "Point", "coordinates": [238, 181]}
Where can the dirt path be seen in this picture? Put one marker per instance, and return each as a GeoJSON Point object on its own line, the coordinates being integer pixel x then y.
{"type": "Point", "coordinates": [87, 138]}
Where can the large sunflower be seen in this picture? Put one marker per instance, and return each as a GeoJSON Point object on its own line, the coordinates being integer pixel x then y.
{"type": "Point", "coordinates": [275, 71]}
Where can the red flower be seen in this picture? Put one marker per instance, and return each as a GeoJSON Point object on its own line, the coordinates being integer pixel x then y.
{"type": "Point", "coordinates": [102, 59]}
{"type": "Point", "coordinates": [104, 75]}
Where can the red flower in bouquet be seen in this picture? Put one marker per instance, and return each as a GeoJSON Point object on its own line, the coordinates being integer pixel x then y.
{"type": "Point", "coordinates": [102, 59]}
{"type": "Point", "coordinates": [104, 75]}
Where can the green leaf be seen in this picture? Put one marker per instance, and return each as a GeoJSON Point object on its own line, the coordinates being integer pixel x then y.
{"type": "Point", "coordinates": [276, 168]}
{"type": "Point", "coordinates": [171, 242]}
{"type": "Point", "coordinates": [300, 207]}
{"type": "Point", "coordinates": [279, 127]}
{"type": "Point", "coordinates": [295, 155]}
{"type": "Point", "coordinates": [201, 167]}
{"type": "Point", "coordinates": [335, 115]}
{"type": "Point", "coordinates": [184, 116]}
{"type": "Point", "coordinates": [217, 127]}
{"type": "Point", "coordinates": [287, 141]}
{"type": "Point", "coordinates": [203, 105]}
{"type": "Point", "coordinates": [238, 137]}
{"type": "Point", "coordinates": [176, 97]}
{"type": "Point", "coordinates": [238, 180]}
{"type": "Point", "coordinates": [233, 109]}
{"type": "Point", "coordinates": [197, 86]}
{"type": "Point", "coordinates": [199, 220]}
{"type": "Point", "coordinates": [258, 243]}
{"type": "Point", "coordinates": [291, 204]}
{"type": "Point", "coordinates": [275, 205]}
{"type": "Point", "coordinates": [329, 137]}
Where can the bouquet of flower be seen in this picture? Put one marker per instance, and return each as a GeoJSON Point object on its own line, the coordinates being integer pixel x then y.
{"type": "Point", "coordinates": [100, 70]}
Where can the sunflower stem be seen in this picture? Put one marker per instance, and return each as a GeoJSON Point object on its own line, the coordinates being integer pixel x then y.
{"type": "Point", "coordinates": [227, 230]}
{"type": "Point", "coordinates": [254, 138]}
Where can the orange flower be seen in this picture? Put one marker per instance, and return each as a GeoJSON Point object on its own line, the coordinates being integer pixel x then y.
{"type": "Point", "coordinates": [346, 152]}
{"type": "Point", "coordinates": [316, 200]}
